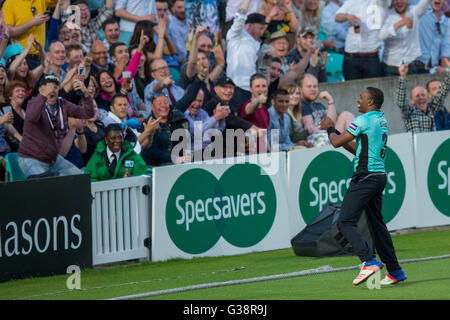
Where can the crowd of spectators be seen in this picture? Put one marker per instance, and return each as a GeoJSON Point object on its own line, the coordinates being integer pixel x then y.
{"type": "Point", "coordinates": [102, 86]}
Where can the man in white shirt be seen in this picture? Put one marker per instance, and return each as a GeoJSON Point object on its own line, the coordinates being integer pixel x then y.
{"type": "Point", "coordinates": [132, 11]}
{"type": "Point", "coordinates": [243, 44]}
{"type": "Point", "coordinates": [400, 32]}
{"type": "Point", "coordinates": [362, 42]}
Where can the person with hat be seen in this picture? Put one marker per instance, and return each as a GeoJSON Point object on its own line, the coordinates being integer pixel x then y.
{"type": "Point", "coordinates": [243, 44]}
{"type": "Point", "coordinates": [307, 48]}
{"type": "Point", "coordinates": [45, 126]}
{"type": "Point", "coordinates": [224, 91]}
{"type": "Point", "coordinates": [279, 47]}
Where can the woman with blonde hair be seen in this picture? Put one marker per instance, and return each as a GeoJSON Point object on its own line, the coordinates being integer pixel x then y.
{"type": "Point", "coordinates": [297, 132]}
{"type": "Point", "coordinates": [279, 16]}
{"type": "Point", "coordinates": [310, 17]}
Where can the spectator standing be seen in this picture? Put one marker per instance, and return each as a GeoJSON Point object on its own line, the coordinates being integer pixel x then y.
{"type": "Point", "coordinates": [331, 28]}
{"type": "Point", "coordinates": [418, 114]}
{"type": "Point", "coordinates": [442, 117]}
{"type": "Point", "coordinates": [45, 126]}
{"type": "Point", "coordinates": [132, 11]}
{"type": "Point", "coordinates": [99, 55]}
{"type": "Point", "coordinates": [90, 28]}
{"type": "Point", "coordinates": [434, 37]}
{"type": "Point", "coordinates": [279, 17]}
{"type": "Point", "coordinates": [400, 33]}
{"type": "Point", "coordinates": [243, 43]}
{"type": "Point", "coordinates": [178, 29]}
{"type": "Point", "coordinates": [27, 18]}
{"type": "Point", "coordinates": [362, 44]}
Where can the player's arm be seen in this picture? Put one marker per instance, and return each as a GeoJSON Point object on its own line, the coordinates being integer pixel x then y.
{"type": "Point", "coordinates": [344, 140]}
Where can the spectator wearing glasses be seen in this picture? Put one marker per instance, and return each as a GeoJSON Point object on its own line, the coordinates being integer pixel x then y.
{"type": "Point", "coordinates": [434, 37]}
{"type": "Point", "coordinates": [45, 127]}
{"type": "Point", "coordinates": [27, 18]}
{"type": "Point", "coordinates": [99, 55]}
{"type": "Point", "coordinates": [162, 83]}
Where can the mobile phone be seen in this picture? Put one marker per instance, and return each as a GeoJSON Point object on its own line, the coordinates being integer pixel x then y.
{"type": "Point", "coordinates": [48, 12]}
{"type": "Point", "coordinates": [81, 71]}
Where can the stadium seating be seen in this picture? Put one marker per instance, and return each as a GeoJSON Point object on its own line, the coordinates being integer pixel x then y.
{"type": "Point", "coordinates": [334, 67]}
{"type": "Point", "coordinates": [13, 171]}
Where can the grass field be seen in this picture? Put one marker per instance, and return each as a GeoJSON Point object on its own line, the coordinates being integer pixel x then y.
{"type": "Point", "coordinates": [426, 279]}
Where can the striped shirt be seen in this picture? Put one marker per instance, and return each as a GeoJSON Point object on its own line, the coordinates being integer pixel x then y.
{"type": "Point", "coordinates": [415, 119]}
{"type": "Point", "coordinates": [434, 46]}
{"type": "Point", "coordinates": [90, 32]}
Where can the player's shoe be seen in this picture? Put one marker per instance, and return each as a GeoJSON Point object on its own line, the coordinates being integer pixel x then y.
{"type": "Point", "coordinates": [368, 269]}
{"type": "Point", "coordinates": [394, 277]}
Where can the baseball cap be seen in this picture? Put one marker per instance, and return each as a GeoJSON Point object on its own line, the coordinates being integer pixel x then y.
{"type": "Point", "coordinates": [256, 18]}
{"type": "Point", "coordinates": [223, 81]}
{"type": "Point", "coordinates": [47, 79]}
{"type": "Point", "coordinates": [304, 31]}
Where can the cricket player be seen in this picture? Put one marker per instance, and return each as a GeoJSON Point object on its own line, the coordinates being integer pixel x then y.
{"type": "Point", "coordinates": [366, 188]}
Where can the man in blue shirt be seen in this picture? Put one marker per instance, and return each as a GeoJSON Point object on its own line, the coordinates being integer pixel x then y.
{"type": "Point", "coordinates": [279, 120]}
{"type": "Point", "coordinates": [434, 37]}
{"type": "Point", "coordinates": [366, 188]}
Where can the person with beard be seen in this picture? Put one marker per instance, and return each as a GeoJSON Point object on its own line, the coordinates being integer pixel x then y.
{"type": "Point", "coordinates": [400, 33]}
{"type": "Point", "coordinates": [45, 126]}
{"type": "Point", "coordinates": [306, 47]}
{"type": "Point", "coordinates": [313, 111]}
{"type": "Point", "coordinates": [99, 55]}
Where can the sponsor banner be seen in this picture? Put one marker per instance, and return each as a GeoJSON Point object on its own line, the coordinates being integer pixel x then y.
{"type": "Point", "coordinates": [320, 176]}
{"type": "Point", "coordinates": [45, 226]}
{"type": "Point", "coordinates": [432, 156]}
{"type": "Point", "coordinates": [316, 177]}
{"type": "Point", "coordinates": [219, 209]}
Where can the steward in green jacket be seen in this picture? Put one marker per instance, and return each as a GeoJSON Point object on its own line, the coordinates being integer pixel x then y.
{"type": "Point", "coordinates": [115, 158]}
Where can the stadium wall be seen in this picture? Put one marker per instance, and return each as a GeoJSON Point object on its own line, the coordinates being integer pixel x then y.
{"type": "Point", "coordinates": [346, 93]}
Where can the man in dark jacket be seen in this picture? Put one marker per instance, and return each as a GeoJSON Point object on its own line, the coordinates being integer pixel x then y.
{"type": "Point", "coordinates": [224, 90]}
{"type": "Point", "coordinates": [45, 126]}
{"type": "Point", "coordinates": [114, 157]}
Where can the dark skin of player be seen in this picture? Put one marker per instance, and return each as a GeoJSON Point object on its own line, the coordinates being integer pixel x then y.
{"type": "Point", "coordinates": [345, 139]}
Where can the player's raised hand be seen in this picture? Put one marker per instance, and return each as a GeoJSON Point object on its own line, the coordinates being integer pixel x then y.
{"type": "Point", "coordinates": [326, 123]}
{"type": "Point", "coordinates": [403, 70]}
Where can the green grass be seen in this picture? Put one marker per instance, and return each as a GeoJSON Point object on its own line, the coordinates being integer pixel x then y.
{"type": "Point", "coordinates": [426, 280]}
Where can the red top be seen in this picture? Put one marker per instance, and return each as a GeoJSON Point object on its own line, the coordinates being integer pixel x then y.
{"type": "Point", "coordinates": [260, 117]}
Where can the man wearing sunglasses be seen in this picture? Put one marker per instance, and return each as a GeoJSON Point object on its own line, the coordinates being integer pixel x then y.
{"type": "Point", "coordinates": [45, 126]}
{"type": "Point", "coordinates": [434, 37]}
{"type": "Point", "coordinates": [27, 17]}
